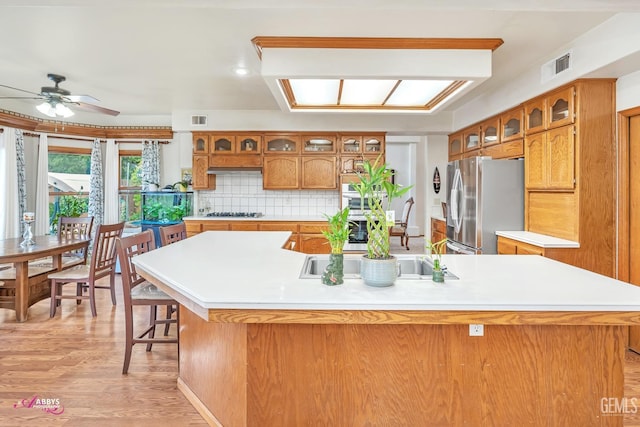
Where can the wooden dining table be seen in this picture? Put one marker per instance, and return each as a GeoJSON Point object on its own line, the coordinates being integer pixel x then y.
{"type": "Point", "coordinates": [45, 246]}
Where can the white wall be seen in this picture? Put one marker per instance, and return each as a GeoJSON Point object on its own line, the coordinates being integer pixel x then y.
{"type": "Point", "coordinates": [437, 156]}
{"type": "Point", "coordinates": [628, 91]}
{"type": "Point", "coordinates": [401, 156]}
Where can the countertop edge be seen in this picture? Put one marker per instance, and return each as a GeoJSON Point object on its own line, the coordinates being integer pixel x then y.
{"type": "Point", "coordinates": [539, 240]}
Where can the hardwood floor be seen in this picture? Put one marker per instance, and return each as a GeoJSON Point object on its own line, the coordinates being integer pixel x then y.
{"type": "Point", "coordinates": [78, 360]}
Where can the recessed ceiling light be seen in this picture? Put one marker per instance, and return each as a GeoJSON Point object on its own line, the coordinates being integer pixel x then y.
{"type": "Point", "coordinates": [240, 71]}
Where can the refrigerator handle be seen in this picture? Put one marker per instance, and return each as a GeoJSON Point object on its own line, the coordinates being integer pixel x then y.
{"type": "Point", "coordinates": [456, 189]}
{"type": "Point", "coordinates": [459, 250]}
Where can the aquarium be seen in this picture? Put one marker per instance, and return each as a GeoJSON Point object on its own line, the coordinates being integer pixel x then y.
{"type": "Point", "coordinates": [161, 208]}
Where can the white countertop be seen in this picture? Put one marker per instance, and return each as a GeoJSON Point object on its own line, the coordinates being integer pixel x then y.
{"type": "Point", "coordinates": [540, 240]}
{"type": "Point", "coordinates": [290, 218]}
{"type": "Point", "coordinates": [245, 270]}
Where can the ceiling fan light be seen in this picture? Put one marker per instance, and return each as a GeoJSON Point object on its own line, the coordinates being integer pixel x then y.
{"type": "Point", "coordinates": [46, 109]}
{"type": "Point", "coordinates": [63, 110]}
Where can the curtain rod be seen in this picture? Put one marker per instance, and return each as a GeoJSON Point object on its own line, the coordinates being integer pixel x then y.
{"type": "Point", "coordinates": [78, 138]}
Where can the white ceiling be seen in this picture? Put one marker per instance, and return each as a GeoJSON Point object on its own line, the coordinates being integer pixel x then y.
{"type": "Point", "coordinates": [150, 58]}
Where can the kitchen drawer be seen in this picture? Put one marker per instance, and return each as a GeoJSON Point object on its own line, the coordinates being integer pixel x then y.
{"type": "Point", "coordinates": [244, 226]}
{"type": "Point", "coordinates": [215, 226]}
{"type": "Point", "coordinates": [313, 228]}
{"type": "Point", "coordinates": [279, 226]}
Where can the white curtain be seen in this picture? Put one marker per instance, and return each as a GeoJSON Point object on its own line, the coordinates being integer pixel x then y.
{"type": "Point", "coordinates": [96, 198]}
{"type": "Point", "coordinates": [150, 163]}
{"type": "Point", "coordinates": [9, 208]}
{"type": "Point", "coordinates": [42, 188]}
{"type": "Point", "coordinates": [111, 182]}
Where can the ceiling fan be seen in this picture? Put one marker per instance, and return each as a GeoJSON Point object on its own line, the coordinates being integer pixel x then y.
{"type": "Point", "coordinates": [56, 99]}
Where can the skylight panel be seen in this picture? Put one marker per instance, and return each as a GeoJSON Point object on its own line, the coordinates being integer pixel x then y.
{"type": "Point", "coordinates": [417, 92]}
{"type": "Point", "coordinates": [315, 91]}
{"type": "Point", "coordinates": [366, 92]}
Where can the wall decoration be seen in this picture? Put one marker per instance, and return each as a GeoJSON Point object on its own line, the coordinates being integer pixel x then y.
{"type": "Point", "coordinates": [436, 181]}
{"type": "Point", "coordinates": [186, 175]}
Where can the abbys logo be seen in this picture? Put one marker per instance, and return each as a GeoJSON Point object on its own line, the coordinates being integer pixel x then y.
{"type": "Point", "coordinates": [618, 406]}
{"type": "Point", "coordinates": [51, 406]}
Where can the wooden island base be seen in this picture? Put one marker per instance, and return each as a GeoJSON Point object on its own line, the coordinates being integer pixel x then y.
{"type": "Point", "coordinates": [267, 374]}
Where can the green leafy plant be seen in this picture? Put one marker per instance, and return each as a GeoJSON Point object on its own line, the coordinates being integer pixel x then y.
{"type": "Point", "coordinates": [181, 185]}
{"type": "Point", "coordinates": [338, 232]}
{"type": "Point", "coordinates": [161, 212]}
{"type": "Point", "coordinates": [435, 251]}
{"type": "Point", "coordinates": [373, 185]}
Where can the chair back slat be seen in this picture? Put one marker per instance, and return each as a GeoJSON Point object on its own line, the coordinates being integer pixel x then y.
{"type": "Point", "coordinates": [103, 256]}
{"type": "Point", "coordinates": [74, 228]}
{"type": "Point", "coordinates": [173, 233]}
{"type": "Point", "coordinates": [129, 247]}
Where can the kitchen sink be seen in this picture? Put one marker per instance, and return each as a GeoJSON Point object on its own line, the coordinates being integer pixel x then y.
{"type": "Point", "coordinates": [410, 267]}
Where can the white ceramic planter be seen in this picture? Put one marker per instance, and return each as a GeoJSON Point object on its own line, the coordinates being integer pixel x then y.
{"type": "Point", "coordinates": [379, 272]}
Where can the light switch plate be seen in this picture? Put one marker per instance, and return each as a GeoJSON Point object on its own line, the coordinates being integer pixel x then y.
{"type": "Point", "coordinates": [391, 217]}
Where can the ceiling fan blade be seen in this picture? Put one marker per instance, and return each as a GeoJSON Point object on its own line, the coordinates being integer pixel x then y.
{"type": "Point", "coordinates": [95, 109]}
{"type": "Point", "coordinates": [81, 98]}
{"type": "Point", "coordinates": [20, 90]}
{"type": "Point", "coordinates": [20, 97]}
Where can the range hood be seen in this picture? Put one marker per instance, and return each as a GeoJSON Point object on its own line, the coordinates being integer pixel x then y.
{"type": "Point", "coordinates": [226, 170]}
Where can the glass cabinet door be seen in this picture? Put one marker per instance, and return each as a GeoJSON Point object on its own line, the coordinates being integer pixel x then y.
{"type": "Point", "coordinates": [471, 139]}
{"type": "Point", "coordinates": [223, 144]}
{"type": "Point", "coordinates": [282, 144]}
{"type": "Point", "coordinates": [319, 144]}
{"type": "Point", "coordinates": [455, 144]}
{"type": "Point", "coordinates": [534, 116]}
{"type": "Point", "coordinates": [248, 144]}
{"type": "Point", "coordinates": [561, 108]}
{"type": "Point", "coordinates": [511, 125]}
{"type": "Point", "coordinates": [351, 144]}
{"type": "Point", "coordinates": [372, 144]}
{"type": "Point", "coordinates": [490, 132]}
{"type": "Point", "coordinates": [200, 144]}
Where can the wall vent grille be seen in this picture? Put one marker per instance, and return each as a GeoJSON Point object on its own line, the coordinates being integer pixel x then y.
{"type": "Point", "coordinates": [555, 67]}
{"type": "Point", "coordinates": [198, 120]}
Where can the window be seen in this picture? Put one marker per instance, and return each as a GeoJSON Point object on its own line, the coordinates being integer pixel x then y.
{"type": "Point", "coordinates": [69, 182]}
{"type": "Point", "coordinates": [129, 200]}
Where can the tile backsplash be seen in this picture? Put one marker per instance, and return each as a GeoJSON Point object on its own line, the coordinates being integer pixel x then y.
{"type": "Point", "coordinates": [243, 192]}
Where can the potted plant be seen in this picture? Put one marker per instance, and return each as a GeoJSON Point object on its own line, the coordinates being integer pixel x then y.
{"type": "Point", "coordinates": [337, 235]}
{"type": "Point", "coordinates": [435, 251]}
{"type": "Point", "coordinates": [378, 267]}
{"type": "Point", "coordinates": [181, 186]}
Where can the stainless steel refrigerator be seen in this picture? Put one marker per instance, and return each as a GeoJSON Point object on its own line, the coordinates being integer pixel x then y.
{"type": "Point", "coordinates": [483, 196]}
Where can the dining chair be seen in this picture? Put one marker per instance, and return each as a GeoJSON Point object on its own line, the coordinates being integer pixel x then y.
{"type": "Point", "coordinates": [136, 291]}
{"type": "Point", "coordinates": [102, 264]}
{"type": "Point", "coordinates": [69, 227]}
{"type": "Point", "coordinates": [173, 233]}
{"type": "Point", "coordinates": [74, 227]}
{"type": "Point", "coordinates": [401, 226]}
{"type": "Point", "coordinates": [169, 235]}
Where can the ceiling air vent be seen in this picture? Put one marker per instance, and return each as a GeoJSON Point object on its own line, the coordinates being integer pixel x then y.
{"type": "Point", "coordinates": [556, 66]}
{"type": "Point", "coordinates": [198, 120]}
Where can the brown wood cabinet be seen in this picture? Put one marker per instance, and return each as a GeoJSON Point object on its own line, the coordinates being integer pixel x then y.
{"type": "Point", "coordinates": [438, 230]}
{"type": "Point", "coordinates": [282, 143]}
{"type": "Point", "coordinates": [499, 137]}
{"type": "Point", "coordinates": [281, 173]}
{"type": "Point", "coordinates": [306, 236]}
{"type": "Point", "coordinates": [550, 158]}
{"type": "Point", "coordinates": [570, 172]}
{"type": "Point", "coordinates": [566, 138]}
{"type": "Point", "coordinates": [200, 179]}
{"type": "Point", "coordinates": [319, 173]}
{"type": "Point", "coordinates": [508, 246]}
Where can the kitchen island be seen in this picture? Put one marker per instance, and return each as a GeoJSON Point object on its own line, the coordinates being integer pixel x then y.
{"type": "Point", "coordinates": [261, 347]}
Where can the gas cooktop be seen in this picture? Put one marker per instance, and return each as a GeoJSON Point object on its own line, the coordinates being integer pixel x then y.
{"type": "Point", "coordinates": [236, 214]}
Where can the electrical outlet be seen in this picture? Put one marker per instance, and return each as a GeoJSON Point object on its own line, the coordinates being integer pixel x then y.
{"type": "Point", "coordinates": [476, 330]}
